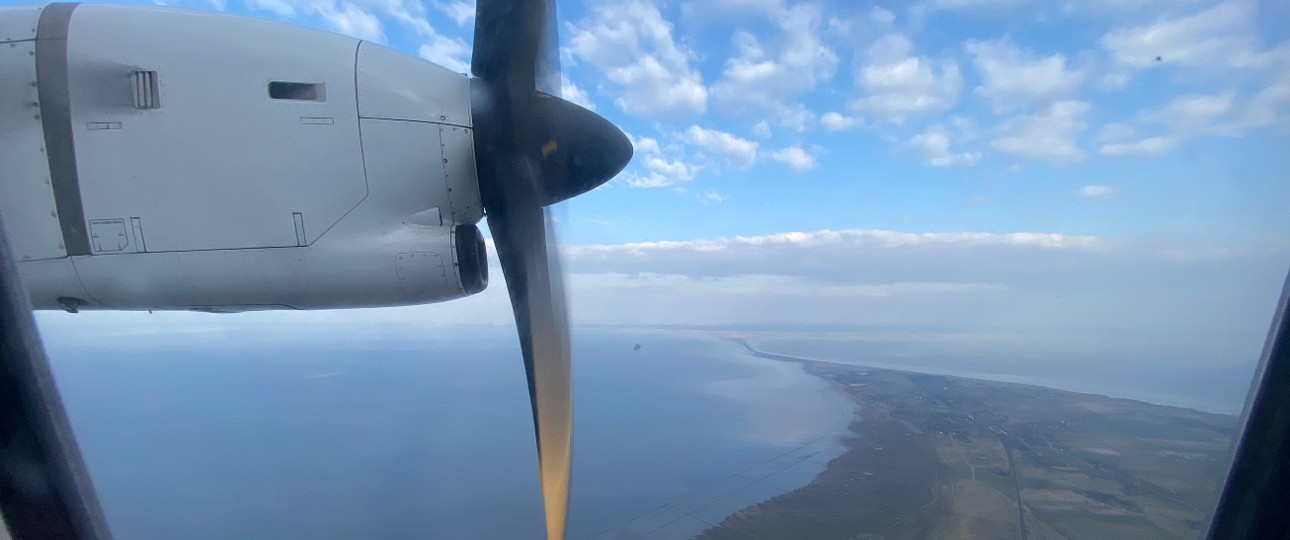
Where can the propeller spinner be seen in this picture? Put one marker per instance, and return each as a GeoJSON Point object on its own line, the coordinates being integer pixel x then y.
{"type": "Point", "coordinates": [532, 150]}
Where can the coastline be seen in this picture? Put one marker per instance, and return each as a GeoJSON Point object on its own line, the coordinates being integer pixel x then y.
{"type": "Point", "coordinates": [911, 471]}
{"type": "Point", "coordinates": [1021, 380]}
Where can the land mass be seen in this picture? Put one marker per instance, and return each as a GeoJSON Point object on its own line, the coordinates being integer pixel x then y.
{"type": "Point", "coordinates": [934, 456]}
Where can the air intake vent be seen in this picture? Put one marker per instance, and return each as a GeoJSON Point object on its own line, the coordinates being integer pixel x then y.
{"type": "Point", "coordinates": [297, 91]}
{"type": "Point", "coordinates": [145, 89]}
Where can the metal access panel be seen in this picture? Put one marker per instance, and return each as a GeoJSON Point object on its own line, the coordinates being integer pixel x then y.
{"type": "Point", "coordinates": [109, 236]}
{"type": "Point", "coordinates": [458, 147]}
{"type": "Point", "coordinates": [26, 197]}
{"type": "Point", "coordinates": [211, 155]}
{"type": "Point", "coordinates": [18, 23]}
{"type": "Point", "coordinates": [421, 275]}
{"type": "Point", "coordinates": [393, 85]}
{"type": "Point", "coordinates": [406, 172]}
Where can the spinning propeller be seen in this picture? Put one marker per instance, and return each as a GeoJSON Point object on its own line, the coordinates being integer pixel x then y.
{"type": "Point", "coordinates": [533, 149]}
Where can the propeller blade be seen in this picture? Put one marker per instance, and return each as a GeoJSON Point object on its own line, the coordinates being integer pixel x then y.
{"type": "Point", "coordinates": [509, 39]}
{"type": "Point", "coordinates": [533, 149]}
{"type": "Point", "coordinates": [526, 251]}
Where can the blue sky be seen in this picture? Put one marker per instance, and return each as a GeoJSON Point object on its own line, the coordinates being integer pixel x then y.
{"type": "Point", "coordinates": [1003, 165]}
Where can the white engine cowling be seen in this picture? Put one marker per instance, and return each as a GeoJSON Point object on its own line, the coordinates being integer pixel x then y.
{"type": "Point", "coordinates": [158, 158]}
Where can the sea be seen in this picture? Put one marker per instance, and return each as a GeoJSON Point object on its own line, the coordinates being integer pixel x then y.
{"type": "Point", "coordinates": [353, 434]}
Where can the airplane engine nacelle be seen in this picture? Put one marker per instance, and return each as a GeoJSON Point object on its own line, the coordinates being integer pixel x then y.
{"type": "Point", "coordinates": [160, 158]}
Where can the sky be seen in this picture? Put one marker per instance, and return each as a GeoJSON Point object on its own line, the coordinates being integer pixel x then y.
{"type": "Point", "coordinates": [1097, 167]}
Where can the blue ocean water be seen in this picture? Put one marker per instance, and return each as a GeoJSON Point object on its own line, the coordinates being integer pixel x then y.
{"type": "Point", "coordinates": [428, 435]}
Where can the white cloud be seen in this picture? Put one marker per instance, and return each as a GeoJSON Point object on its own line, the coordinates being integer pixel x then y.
{"type": "Point", "coordinates": [1128, 8]}
{"type": "Point", "coordinates": [446, 51]}
{"type": "Point", "coordinates": [660, 173]}
{"type": "Point", "coordinates": [795, 158]}
{"type": "Point", "coordinates": [858, 238]}
{"type": "Point", "coordinates": [705, 196]}
{"type": "Point", "coordinates": [753, 283]}
{"type": "Point", "coordinates": [835, 121]}
{"type": "Point", "coordinates": [1047, 135]}
{"type": "Point", "coordinates": [1269, 106]}
{"type": "Point", "coordinates": [767, 80]}
{"type": "Point", "coordinates": [932, 146]}
{"type": "Point", "coordinates": [644, 145]}
{"type": "Point", "coordinates": [882, 17]}
{"type": "Point", "coordinates": [741, 152]}
{"type": "Point", "coordinates": [1011, 76]}
{"type": "Point", "coordinates": [965, 129]}
{"type": "Point", "coordinates": [761, 129]}
{"type": "Point", "coordinates": [367, 19]}
{"type": "Point", "coordinates": [633, 45]}
{"type": "Point", "coordinates": [373, 19]}
{"type": "Point", "coordinates": [1256, 98]}
{"type": "Point", "coordinates": [281, 8]}
{"type": "Point", "coordinates": [1094, 191]}
{"type": "Point", "coordinates": [708, 11]}
{"type": "Point", "coordinates": [860, 26]}
{"type": "Point", "coordinates": [663, 173]}
{"type": "Point", "coordinates": [352, 20]}
{"type": "Point", "coordinates": [674, 169]}
{"type": "Point", "coordinates": [683, 156]}
{"type": "Point", "coordinates": [896, 84]}
{"type": "Point", "coordinates": [1150, 146]}
{"type": "Point", "coordinates": [662, 168]}
{"type": "Point", "coordinates": [1182, 118]}
{"type": "Point", "coordinates": [1210, 38]}
{"type": "Point", "coordinates": [411, 13]}
{"type": "Point", "coordinates": [1114, 80]}
{"type": "Point", "coordinates": [1276, 58]}
{"type": "Point", "coordinates": [461, 12]}
{"type": "Point", "coordinates": [572, 93]}
{"type": "Point", "coordinates": [975, 4]}
{"type": "Point", "coordinates": [712, 196]}
{"type": "Point", "coordinates": [1192, 113]}
{"type": "Point", "coordinates": [1116, 131]}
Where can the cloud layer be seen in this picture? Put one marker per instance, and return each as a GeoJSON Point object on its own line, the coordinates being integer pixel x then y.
{"type": "Point", "coordinates": [1219, 297]}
